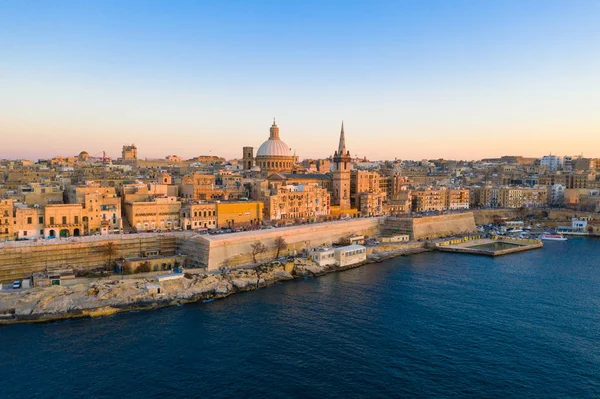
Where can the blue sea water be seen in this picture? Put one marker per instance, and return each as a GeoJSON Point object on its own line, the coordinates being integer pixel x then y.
{"type": "Point", "coordinates": [434, 325]}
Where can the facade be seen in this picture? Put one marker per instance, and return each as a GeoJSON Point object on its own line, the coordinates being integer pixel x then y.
{"type": "Point", "coordinates": [552, 162]}
{"type": "Point", "coordinates": [163, 213]}
{"type": "Point", "coordinates": [239, 214]}
{"type": "Point", "coordinates": [198, 216]}
{"type": "Point", "coordinates": [350, 255]}
{"type": "Point", "coordinates": [509, 197]}
{"type": "Point", "coordinates": [29, 222]}
{"type": "Point", "coordinates": [297, 203]}
{"type": "Point", "coordinates": [64, 220]}
{"type": "Point", "coordinates": [457, 199]}
{"type": "Point", "coordinates": [428, 200]}
{"type": "Point", "coordinates": [248, 157]}
{"type": "Point", "coordinates": [6, 219]}
{"type": "Point", "coordinates": [371, 204]}
{"type": "Point", "coordinates": [341, 175]}
{"type": "Point", "coordinates": [129, 153]}
{"type": "Point", "coordinates": [323, 256]}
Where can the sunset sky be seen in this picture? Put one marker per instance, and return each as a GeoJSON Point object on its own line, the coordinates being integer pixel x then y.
{"type": "Point", "coordinates": [412, 80]}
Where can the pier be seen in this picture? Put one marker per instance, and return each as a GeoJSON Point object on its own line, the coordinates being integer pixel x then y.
{"type": "Point", "coordinates": [495, 246]}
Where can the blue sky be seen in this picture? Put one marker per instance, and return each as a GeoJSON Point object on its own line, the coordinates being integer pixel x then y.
{"type": "Point", "coordinates": [413, 80]}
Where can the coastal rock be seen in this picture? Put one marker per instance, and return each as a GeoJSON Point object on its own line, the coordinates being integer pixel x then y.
{"type": "Point", "coordinates": [241, 284]}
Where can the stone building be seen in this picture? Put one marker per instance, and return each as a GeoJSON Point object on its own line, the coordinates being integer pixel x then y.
{"type": "Point", "coordinates": [273, 155]}
{"type": "Point", "coordinates": [198, 216]}
{"type": "Point", "coordinates": [162, 213]}
{"type": "Point", "coordinates": [29, 222]}
{"type": "Point", "coordinates": [341, 175]}
{"type": "Point", "coordinates": [6, 219]}
{"type": "Point", "coordinates": [302, 202]}
{"type": "Point", "coordinates": [63, 220]}
{"type": "Point", "coordinates": [239, 214]}
{"type": "Point", "coordinates": [129, 153]}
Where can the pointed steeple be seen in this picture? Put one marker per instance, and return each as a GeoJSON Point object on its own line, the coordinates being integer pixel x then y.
{"type": "Point", "coordinates": [342, 146]}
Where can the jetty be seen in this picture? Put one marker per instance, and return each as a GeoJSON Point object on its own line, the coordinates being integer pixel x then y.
{"type": "Point", "coordinates": [494, 246]}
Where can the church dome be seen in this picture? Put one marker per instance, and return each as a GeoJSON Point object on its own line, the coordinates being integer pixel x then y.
{"type": "Point", "coordinates": [273, 148]}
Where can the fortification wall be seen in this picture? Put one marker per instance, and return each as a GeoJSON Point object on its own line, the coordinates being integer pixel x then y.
{"type": "Point", "coordinates": [21, 259]}
{"type": "Point", "coordinates": [235, 249]}
{"type": "Point", "coordinates": [430, 227]}
{"type": "Point", "coordinates": [444, 225]}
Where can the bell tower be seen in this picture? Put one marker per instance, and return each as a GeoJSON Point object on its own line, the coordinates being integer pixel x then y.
{"type": "Point", "coordinates": [341, 174]}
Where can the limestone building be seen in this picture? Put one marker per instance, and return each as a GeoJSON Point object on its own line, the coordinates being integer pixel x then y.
{"type": "Point", "coordinates": [272, 156]}
{"type": "Point", "coordinates": [341, 175]}
{"type": "Point", "coordinates": [306, 202]}
{"type": "Point", "coordinates": [198, 216]}
{"type": "Point", "coordinates": [129, 153]}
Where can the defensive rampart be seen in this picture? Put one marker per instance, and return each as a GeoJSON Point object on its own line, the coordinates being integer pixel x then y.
{"type": "Point", "coordinates": [235, 249]}
{"type": "Point", "coordinates": [19, 259]}
{"type": "Point", "coordinates": [430, 227]}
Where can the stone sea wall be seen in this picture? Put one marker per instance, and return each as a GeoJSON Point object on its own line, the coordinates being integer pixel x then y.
{"type": "Point", "coordinates": [430, 227]}
{"type": "Point", "coordinates": [19, 259]}
{"type": "Point", "coordinates": [235, 249]}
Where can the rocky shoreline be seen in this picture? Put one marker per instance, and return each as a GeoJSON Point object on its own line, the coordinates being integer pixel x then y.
{"type": "Point", "coordinates": [106, 297]}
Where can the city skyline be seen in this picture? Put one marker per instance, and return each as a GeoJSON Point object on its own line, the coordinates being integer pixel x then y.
{"type": "Point", "coordinates": [455, 81]}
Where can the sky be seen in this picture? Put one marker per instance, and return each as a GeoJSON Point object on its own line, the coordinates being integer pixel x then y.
{"type": "Point", "coordinates": [410, 79]}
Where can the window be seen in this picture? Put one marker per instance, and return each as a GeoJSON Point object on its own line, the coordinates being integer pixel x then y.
{"type": "Point", "coordinates": [76, 219]}
{"type": "Point", "coordinates": [64, 220]}
{"type": "Point", "coordinates": [24, 233]}
{"type": "Point", "coordinates": [29, 220]}
{"type": "Point", "coordinates": [41, 220]}
{"type": "Point", "coordinates": [51, 219]}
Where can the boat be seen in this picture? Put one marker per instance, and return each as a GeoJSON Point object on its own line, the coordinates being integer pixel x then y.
{"type": "Point", "coordinates": [553, 237]}
{"type": "Point", "coordinates": [208, 300]}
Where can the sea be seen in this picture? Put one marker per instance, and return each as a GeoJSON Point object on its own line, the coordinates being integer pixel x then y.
{"type": "Point", "coordinates": [433, 325]}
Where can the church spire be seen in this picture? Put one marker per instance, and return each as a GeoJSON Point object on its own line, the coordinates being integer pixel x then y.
{"type": "Point", "coordinates": [342, 146]}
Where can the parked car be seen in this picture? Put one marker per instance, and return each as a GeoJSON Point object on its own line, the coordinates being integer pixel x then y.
{"type": "Point", "coordinates": [17, 284]}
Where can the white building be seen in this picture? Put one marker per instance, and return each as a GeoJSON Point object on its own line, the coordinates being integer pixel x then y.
{"type": "Point", "coordinates": [552, 162]}
{"type": "Point", "coordinates": [557, 194]}
{"type": "Point", "coordinates": [323, 256]}
{"type": "Point", "coordinates": [350, 255]}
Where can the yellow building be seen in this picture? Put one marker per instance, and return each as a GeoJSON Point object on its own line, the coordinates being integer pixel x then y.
{"type": "Point", "coordinates": [63, 220]}
{"type": "Point", "coordinates": [198, 216]}
{"type": "Point", "coordinates": [297, 202]}
{"type": "Point", "coordinates": [239, 214]}
{"type": "Point", "coordinates": [457, 199]}
{"type": "Point", "coordinates": [162, 213]}
{"type": "Point", "coordinates": [29, 222]}
{"type": "Point", "coordinates": [371, 204]}
{"type": "Point", "coordinates": [101, 208]}
{"type": "Point", "coordinates": [428, 200]}
{"type": "Point", "coordinates": [6, 219]}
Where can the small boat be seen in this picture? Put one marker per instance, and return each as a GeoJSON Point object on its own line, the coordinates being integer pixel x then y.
{"type": "Point", "coordinates": [208, 300]}
{"type": "Point", "coordinates": [553, 237]}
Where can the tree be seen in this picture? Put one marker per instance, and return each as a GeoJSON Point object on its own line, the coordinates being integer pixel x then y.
{"type": "Point", "coordinates": [110, 249]}
{"type": "Point", "coordinates": [257, 248]}
{"type": "Point", "coordinates": [280, 244]}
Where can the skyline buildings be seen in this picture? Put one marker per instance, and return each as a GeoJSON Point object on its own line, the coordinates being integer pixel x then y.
{"type": "Point", "coordinates": [413, 81]}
